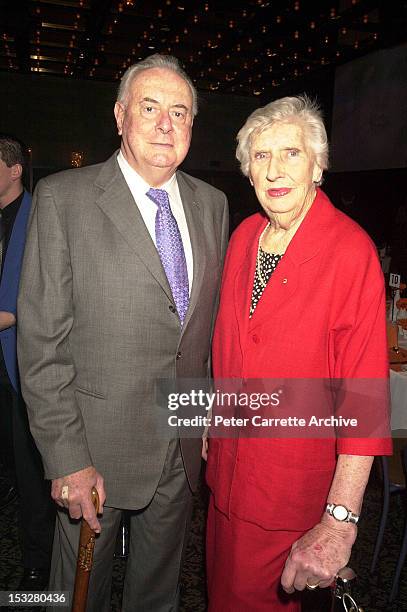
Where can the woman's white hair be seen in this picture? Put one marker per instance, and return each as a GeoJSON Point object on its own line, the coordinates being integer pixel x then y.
{"type": "Point", "coordinates": [298, 109]}
{"type": "Point", "coordinates": [169, 62]}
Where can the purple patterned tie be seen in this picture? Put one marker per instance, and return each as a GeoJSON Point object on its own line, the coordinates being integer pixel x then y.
{"type": "Point", "coordinates": [171, 250]}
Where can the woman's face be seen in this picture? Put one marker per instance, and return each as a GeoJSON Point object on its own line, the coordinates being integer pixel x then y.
{"type": "Point", "coordinates": [283, 170]}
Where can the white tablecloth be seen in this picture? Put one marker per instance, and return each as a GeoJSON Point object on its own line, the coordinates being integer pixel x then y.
{"type": "Point", "coordinates": [398, 390]}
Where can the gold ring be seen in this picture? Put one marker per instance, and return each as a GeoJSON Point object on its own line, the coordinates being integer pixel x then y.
{"type": "Point", "coordinates": [65, 492]}
{"type": "Point", "coordinates": [311, 587]}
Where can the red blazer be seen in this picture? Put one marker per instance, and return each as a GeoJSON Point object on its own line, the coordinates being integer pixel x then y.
{"type": "Point", "coordinates": [321, 316]}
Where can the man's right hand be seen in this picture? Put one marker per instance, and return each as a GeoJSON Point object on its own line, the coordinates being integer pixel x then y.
{"type": "Point", "coordinates": [79, 500]}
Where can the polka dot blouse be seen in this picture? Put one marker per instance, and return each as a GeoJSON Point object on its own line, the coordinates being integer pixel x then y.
{"type": "Point", "coordinates": [267, 264]}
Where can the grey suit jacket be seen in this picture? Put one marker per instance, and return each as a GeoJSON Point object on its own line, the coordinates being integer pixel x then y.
{"type": "Point", "coordinates": [97, 328]}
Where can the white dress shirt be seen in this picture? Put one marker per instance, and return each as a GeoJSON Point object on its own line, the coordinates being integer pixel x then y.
{"type": "Point", "coordinates": [148, 208]}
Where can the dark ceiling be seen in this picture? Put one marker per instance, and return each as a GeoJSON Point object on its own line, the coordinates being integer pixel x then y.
{"type": "Point", "coordinates": [241, 46]}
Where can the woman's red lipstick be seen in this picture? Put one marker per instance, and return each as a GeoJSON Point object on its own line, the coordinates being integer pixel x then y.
{"type": "Point", "coordinates": [278, 193]}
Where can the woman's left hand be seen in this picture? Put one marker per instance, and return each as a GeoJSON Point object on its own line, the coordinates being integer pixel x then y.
{"type": "Point", "coordinates": [316, 558]}
{"type": "Point", "coordinates": [205, 447]}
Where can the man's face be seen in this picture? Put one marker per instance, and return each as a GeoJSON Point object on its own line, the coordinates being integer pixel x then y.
{"type": "Point", "coordinates": [155, 124]}
{"type": "Point", "coordinates": [7, 181]}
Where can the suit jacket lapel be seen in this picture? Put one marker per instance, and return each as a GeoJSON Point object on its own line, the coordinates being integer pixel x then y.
{"type": "Point", "coordinates": [281, 286]}
{"type": "Point", "coordinates": [244, 281]}
{"type": "Point", "coordinates": [15, 250]}
{"type": "Point", "coordinates": [303, 246]}
{"type": "Point", "coordinates": [118, 205]}
{"type": "Point", "coordinates": [193, 211]}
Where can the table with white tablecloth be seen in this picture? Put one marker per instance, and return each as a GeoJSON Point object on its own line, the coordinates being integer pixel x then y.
{"type": "Point", "coordinates": [398, 390]}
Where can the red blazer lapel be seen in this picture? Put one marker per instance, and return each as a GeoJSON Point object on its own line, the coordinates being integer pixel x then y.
{"type": "Point", "coordinates": [303, 247]}
{"type": "Point", "coordinates": [244, 281]}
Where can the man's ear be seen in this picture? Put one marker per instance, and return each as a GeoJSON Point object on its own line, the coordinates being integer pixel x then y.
{"type": "Point", "coordinates": [16, 172]}
{"type": "Point", "coordinates": [119, 111]}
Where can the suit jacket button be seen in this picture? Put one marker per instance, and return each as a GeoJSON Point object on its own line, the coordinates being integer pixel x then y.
{"type": "Point", "coordinates": [255, 339]}
{"type": "Point", "coordinates": [179, 355]}
{"type": "Point", "coordinates": [285, 281]}
{"type": "Point", "coordinates": [172, 308]}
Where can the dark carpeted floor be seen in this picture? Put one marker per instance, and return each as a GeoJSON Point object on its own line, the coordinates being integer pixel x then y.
{"type": "Point", "coordinates": [372, 591]}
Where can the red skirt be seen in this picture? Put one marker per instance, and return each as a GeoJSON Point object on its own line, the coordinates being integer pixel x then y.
{"type": "Point", "coordinates": [244, 566]}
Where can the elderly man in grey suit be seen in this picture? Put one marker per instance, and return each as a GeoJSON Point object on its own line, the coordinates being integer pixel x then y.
{"type": "Point", "coordinates": [119, 287]}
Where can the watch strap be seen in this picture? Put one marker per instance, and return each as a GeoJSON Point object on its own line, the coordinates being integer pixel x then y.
{"type": "Point", "coordinates": [350, 517]}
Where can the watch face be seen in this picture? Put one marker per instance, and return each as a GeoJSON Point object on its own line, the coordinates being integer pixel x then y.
{"type": "Point", "coordinates": [340, 513]}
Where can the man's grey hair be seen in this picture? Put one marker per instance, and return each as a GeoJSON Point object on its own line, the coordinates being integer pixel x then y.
{"type": "Point", "coordinates": [169, 62]}
{"type": "Point", "coordinates": [12, 151]}
{"type": "Point", "coordinates": [298, 109]}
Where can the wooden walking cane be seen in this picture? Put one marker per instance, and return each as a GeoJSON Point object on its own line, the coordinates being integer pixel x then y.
{"type": "Point", "coordinates": [85, 560]}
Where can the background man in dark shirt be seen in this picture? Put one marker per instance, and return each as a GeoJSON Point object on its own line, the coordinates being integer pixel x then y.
{"type": "Point", "coordinates": [20, 455]}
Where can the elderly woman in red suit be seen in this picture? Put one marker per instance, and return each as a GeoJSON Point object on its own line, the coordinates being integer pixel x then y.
{"type": "Point", "coordinates": [302, 297]}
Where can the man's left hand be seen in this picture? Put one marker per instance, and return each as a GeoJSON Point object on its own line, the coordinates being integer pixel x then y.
{"type": "Point", "coordinates": [316, 558]}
